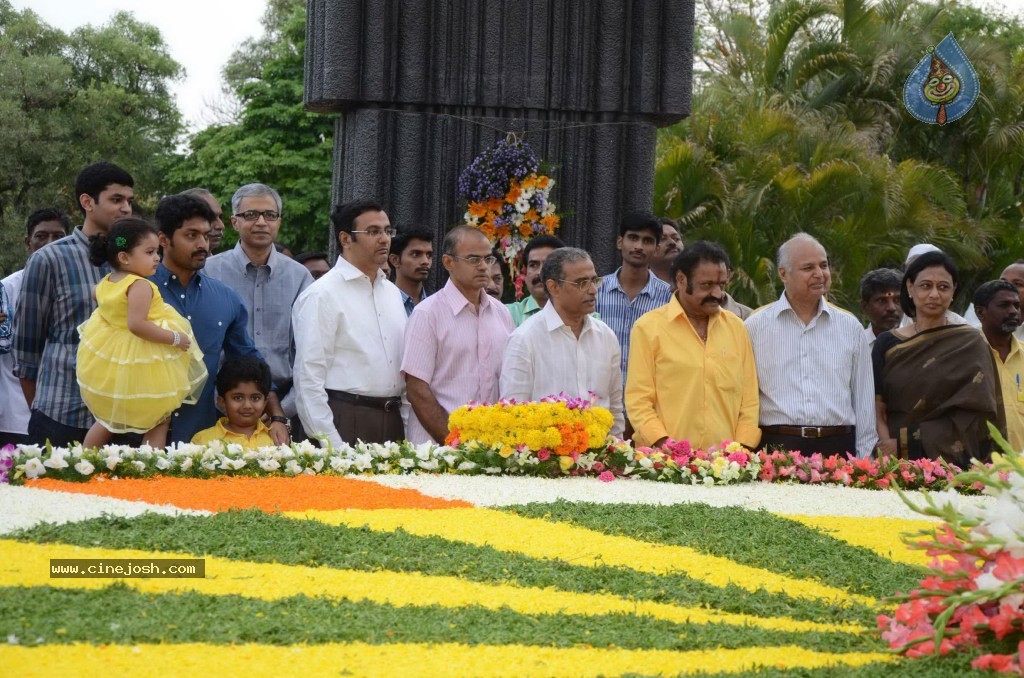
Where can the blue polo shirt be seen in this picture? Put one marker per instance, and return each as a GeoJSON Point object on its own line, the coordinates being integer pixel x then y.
{"type": "Point", "coordinates": [219, 321]}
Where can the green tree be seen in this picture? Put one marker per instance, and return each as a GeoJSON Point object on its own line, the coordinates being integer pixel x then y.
{"type": "Point", "coordinates": [275, 140]}
{"type": "Point", "coordinates": [100, 93]}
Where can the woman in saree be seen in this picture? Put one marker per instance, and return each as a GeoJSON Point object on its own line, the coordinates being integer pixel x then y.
{"type": "Point", "coordinates": [936, 383]}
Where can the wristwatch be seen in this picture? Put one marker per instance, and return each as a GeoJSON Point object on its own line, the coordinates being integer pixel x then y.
{"type": "Point", "coordinates": [278, 419]}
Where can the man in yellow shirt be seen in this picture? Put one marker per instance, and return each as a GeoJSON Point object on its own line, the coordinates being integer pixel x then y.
{"type": "Point", "coordinates": [997, 304]}
{"type": "Point", "coordinates": [242, 388]}
{"type": "Point", "coordinates": [691, 365]}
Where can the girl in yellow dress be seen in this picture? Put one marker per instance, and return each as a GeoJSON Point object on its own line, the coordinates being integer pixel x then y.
{"type": "Point", "coordinates": [137, 359]}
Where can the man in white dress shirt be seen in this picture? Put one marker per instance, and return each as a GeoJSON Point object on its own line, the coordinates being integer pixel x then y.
{"type": "Point", "coordinates": [813, 362]}
{"type": "Point", "coordinates": [880, 301]}
{"type": "Point", "coordinates": [349, 329]}
{"type": "Point", "coordinates": [562, 349]}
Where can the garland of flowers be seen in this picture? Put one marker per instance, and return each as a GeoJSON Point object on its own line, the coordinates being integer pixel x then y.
{"type": "Point", "coordinates": [974, 595]}
{"type": "Point", "coordinates": [508, 199]}
{"type": "Point", "coordinates": [675, 462]}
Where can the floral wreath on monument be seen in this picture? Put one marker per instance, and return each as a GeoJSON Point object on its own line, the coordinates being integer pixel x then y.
{"type": "Point", "coordinates": [508, 199]}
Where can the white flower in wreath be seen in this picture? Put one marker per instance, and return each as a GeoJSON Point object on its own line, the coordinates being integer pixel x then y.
{"type": "Point", "coordinates": [293, 467]}
{"type": "Point", "coordinates": [431, 465]}
{"type": "Point", "coordinates": [493, 470]}
{"type": "Point", "coordinates": [522, 205]}
{"type": "Point", "coordinates": [423, 451]}
{"type": "Point", "coordinates": [306, 447]}
{"type": "Point", "coordinates": [383, 466]}
{"type": "Point", "coordinates": [56, 461]}
{"type": "Point", "coordinates": [549, 209]}
{"type": "Point", "coordinates": [112, 461]}
{"type": "Point", "coordinates": [162, 463]}
{"type": "Point", "coordinates": [34, 468]}
{"type": "Point", "coordinates": [450, 459]}
{"type": "Point", "coordinates": [467, 466]}
{"type": "Point", "coordinates": [407, 463]}
{"type": "Point", "coordinates": [210, 465]}
{"type": "Point", "coordinates": [186, 464]}
{"type": "Point", "coordinates": [339, 464]}
{"type": "Point", "coordinates": [318, 465]}
{"type": "Point", "coordinates": [30, 450]}
{"type": "Point", "coordinates": [84, 467]}
{"type": "Point", "coordinates": [362, 462]}
{"type": "Point", "coordinates": [269, 465]}
{"type": "Point", "coordinates": [517, 219]}
{"type": "Point", "coordinates": [140, 466]}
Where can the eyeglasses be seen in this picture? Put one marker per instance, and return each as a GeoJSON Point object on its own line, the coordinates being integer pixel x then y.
{"type": "Point", "coordinates": [475, 259]}
{"type": "Point", "coordinates": [585, 284]}
{"type": "Point", "coordinates": [253, 215]}
{"type": "Point", "coordinates": [378, 232]}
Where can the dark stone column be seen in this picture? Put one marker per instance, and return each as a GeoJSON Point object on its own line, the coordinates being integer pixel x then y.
{"type": "Point", "coordinates": [423, 86]}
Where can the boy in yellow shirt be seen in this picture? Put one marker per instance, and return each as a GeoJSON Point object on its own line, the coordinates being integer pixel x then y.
{"type": "Point", "coordinates": [242, 388]}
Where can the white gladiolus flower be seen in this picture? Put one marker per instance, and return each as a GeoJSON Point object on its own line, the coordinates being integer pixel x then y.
{"type": "Point", "coordinates": [467, 466]}
{"type": "Point", "coordinates": [269, 464]}
{"type": "Point", "coordinates": [34, 468]}
{"type": "Point", "coordinates": [186, 464]}
{"type": "Point", "coordinates": [139, 465]}
{"type": "Point", "coordinates": [407, 463]}
{"type": "Point", "coordinates": [431, 465]}
{"type": "Point", "coordinates": [318, 465]}
{"type": "Point", "coordinates": [84, 467]}
{"type": "Point", "coordinates": [56, 461]}
{"type": "Point", "coordinates": [293, 467]}
{"type": "Point", "coordinates": [112, 461]}
{"type": "Point", "coordinates": [162, 463]}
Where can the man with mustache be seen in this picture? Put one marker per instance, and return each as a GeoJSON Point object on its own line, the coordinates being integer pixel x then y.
{"type": "Point", "coordinates": [1014, 273]}
{"type": "Point", "coordinates": [880, 301]}
{"type": "Point", "coordinates": [691, 367]}
{"type": "Point", "coordinates": [997, 305]}
{"type": "Point", "coordinates": [218, 316]}
{"type": "Point", "coordinates": [412, 253]}
{"type": "Point", "coordinates": [632, 290]}
{"type": "Point", "coordinates": [532, 258]}
{"type": "Point", "coordinates": [669, 247]}
{"type": "Point", "coordinates": [217, 225]}
{"type": "Point", "coordinates": [268, 281]}
{"type": "Point", "coordinates": [454, 340]}
{"type": "Point", "coordinates": [563, 349]}
{"type": "Point", "coordinates": [813, 363]}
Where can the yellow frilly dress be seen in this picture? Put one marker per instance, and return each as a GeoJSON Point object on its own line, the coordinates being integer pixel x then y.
{"type": "Point", "coordinates": [128, 383]}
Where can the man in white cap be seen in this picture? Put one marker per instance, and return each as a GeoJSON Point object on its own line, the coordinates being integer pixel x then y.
{"type": "Point", "coordinates": [916, 251]}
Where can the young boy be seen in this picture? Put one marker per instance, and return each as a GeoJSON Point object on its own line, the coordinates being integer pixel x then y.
{"type": "Point", "coordinates": [242, 388]}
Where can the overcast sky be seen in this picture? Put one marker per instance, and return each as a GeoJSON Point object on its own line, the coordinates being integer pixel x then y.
{"type": "Point", "coordinates": [202, 34]}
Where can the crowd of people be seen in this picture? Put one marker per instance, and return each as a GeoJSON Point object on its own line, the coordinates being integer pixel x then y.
{"type": "Point", "coordinates": [135, 331]}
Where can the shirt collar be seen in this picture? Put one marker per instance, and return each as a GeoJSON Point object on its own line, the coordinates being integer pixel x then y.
{"type": "Point", "coordinates": [552, 321]}
{"type": "Point", "coordinates": [530, 305]}
{"type": "Point", "coordinates": [242, 259]}
{"type": "Point", "coordinates": [457, 301]}
{"type": "Point", "coordinates": [163, 274]}
{"type": "Point", "coordinates": [260, 428]}
{"type": "Point", "coordinates": [80, 235]}
{"type": "Point", "coordinates": [649, 288]}
{"type": "Point", "coordinates": [350, 272]}
{"type": "Point", "coordinates": [784, 305]}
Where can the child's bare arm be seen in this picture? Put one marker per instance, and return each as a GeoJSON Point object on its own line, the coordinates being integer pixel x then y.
{"type": "Point", "coordinates": [140, 294]}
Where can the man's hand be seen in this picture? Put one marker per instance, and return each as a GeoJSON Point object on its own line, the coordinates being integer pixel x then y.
{"type": "Point", "coordinates": [279, 433]}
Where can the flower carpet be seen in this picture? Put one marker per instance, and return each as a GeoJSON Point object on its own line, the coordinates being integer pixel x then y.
{"type": "Point", "coordinates": [458, 575]}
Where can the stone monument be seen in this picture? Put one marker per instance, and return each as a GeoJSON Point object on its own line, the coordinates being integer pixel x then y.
{"type": "Point", "coordinates": [422, 86]}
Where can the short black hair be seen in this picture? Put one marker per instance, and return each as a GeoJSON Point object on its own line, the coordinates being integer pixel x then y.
{"type": "Point", "coordinates": [123, 236]}
{"type": "Point", "coordinates": [879, 281]}
{"type": "Point", "coordinates": [541, 241]}
{"type": "Point", "coordinates": [343, 218]}
{"type": "Point", "coordinates": [240, 370]}
{"type": "Point", "coordinates": [46, 214]}
{"type": "Point", "coordinates": [641, 221]}
{"type": "Point", "coordinates": [95, 178]}
{"type": "Point", "coordinates": [984, 295]}
{"type": "Point", "coordinates": [401, 241]}
{"type": "Point", "coordinates": [690, 258]}
{"type": "Point", "coordinates": [310, 256]}
{"type": "Point", "coordinates": [175, 210]}
{"type": "Point", "coordinates": [669, 221]}
{"type": "Point", "coordinates": [926, 260]}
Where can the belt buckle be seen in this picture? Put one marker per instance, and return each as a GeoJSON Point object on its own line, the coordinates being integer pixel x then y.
{"type": "Point", "coordinates": [810, 431]}
{"type": "Point", "coordinates": [392, 405]}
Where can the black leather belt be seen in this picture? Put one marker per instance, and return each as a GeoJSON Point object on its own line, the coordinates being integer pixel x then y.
{"type": "Point", "coordinates": [386, 404]}
{"type": "Point", "coordinates": [809, 431]}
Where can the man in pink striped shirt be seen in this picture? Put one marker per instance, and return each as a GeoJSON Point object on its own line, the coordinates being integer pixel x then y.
{"type": "Point", "coordinates": [454, 339]}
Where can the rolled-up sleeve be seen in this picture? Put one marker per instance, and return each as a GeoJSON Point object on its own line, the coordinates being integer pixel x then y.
{"type": "Point", "coordinates": [32, 317]}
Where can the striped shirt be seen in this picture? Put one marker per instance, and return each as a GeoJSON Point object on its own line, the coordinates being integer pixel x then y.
{"type": "Point", "coordinates": [819, 374]}
{"type": "Point", "coordinates": [619, 313]}
{"type": "Point", "coordinates": [56, 297]}
{"type": "Point", "coordinates": [456, 349]}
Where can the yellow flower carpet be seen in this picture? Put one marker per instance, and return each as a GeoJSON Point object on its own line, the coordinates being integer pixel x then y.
{"type": "Point", "coordinates": [343, 576]}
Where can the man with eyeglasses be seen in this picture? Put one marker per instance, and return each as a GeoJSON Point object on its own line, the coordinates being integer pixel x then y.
{"type": "Point", "coordinates": [691, 366]}
{"type": "Point", "coordinates": [349, 336]}
{"type": "Point", "coordinates": [562, 349]}
{"type": "Point", "coordinates": [455, 339]}
{"type": "Point", "coordinates": [268, 282]}
{"type": "Point", "coordinates": [43, 227]}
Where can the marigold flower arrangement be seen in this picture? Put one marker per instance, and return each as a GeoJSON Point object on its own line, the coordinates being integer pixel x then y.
{"type": "Point", "coordinates": [973, 598]}
{"type": "Point", "coordinates": [508, 199]}
{"type": "Point", "coordinates": [562, 426]}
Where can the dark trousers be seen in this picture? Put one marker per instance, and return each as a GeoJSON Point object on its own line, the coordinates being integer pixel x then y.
{"type": "Point", "coordinates": [7, 438]}
{"type": "Point", "coordinates": [840, 444]}
{"type": "Point", "coordinates": [41, 428]}
{"type": "Point", "coordinates": [369, 424]}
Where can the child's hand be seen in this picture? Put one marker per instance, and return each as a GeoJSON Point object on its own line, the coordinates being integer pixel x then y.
{"type": "Point", "coordinates": [185, 342]}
